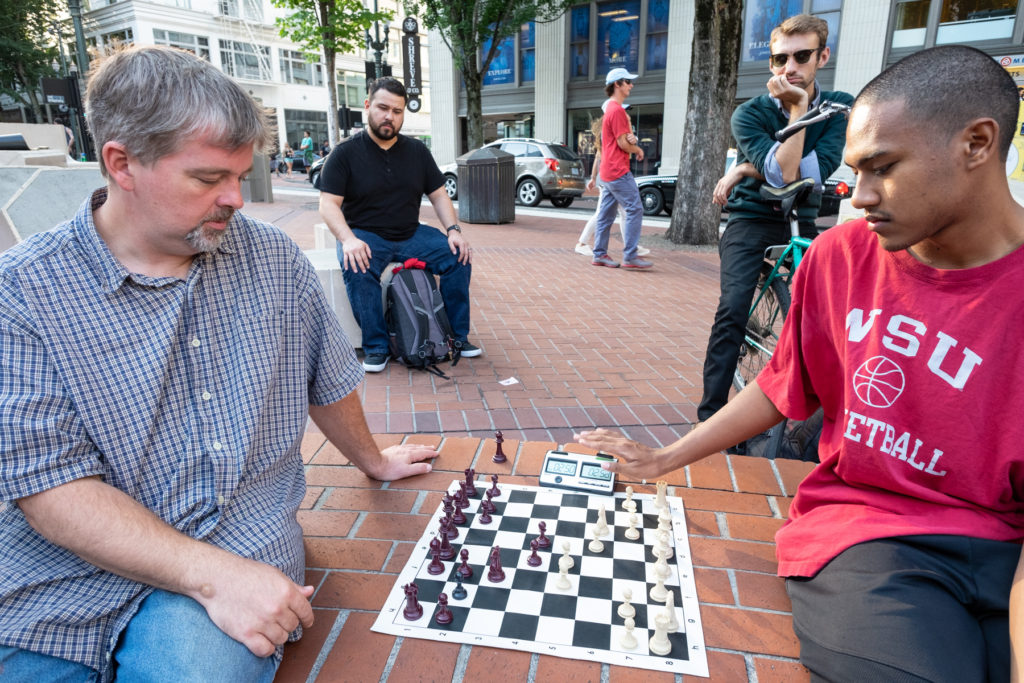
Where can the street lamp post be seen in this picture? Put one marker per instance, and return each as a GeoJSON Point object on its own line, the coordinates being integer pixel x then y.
{"type": "Point", "coordinates": [72, 117]}
{"type": "Point", "coordinates": [376, 44]}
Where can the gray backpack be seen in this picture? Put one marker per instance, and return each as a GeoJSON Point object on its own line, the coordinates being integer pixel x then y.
{"type": "Point", "coordinates": [419, 333]}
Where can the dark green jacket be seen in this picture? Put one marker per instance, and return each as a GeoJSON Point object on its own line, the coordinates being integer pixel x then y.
{"type": "Point", "coordinates": [753, 124]}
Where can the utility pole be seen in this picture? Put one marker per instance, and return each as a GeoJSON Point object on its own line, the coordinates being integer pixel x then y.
{"type": "Point", "coordinates": [75, 10]}
{"type": "Point", "coordinates": [376, 44]}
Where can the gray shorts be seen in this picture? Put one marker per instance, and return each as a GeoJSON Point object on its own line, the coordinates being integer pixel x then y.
{"type": "Point", "coordinates": [913, 608]}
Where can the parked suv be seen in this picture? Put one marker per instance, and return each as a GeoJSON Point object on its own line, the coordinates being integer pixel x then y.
{"type": "Point", "coordinates": [544, 170]}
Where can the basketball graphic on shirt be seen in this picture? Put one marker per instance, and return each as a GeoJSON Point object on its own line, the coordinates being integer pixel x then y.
{"type": "Point", "coordinates": [879, 382]}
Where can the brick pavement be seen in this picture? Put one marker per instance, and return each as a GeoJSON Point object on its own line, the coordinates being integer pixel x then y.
{"type": "Point", "coordinates": [588, 346]}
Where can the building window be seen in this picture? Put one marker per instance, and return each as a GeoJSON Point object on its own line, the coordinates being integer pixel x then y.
{"type": "Point", "coordinates": [527, 46]}
{"type": "Point", "coordinates": [197, 45]}
{"type": "Point", "coordinates": [298, 120]}
{"type": "Point", "coordinates": [965, 21]}
{"type": "Point", "coordinates": [250, 10]}
{"type": "Point", "coordinates": [910, 23]}
{"type": "Point", "coordinates": [618, 35]}
{"type": "Point", "coordinates": [295, 69]}
{"type": "Point", "coordinates": [245, 60]}
{"type": "Point", "coordinates": [657, 35]}
{"type": "Point", "coordinates": [579, 42]}
{"type": "Point", "coordinates": [352, 88]}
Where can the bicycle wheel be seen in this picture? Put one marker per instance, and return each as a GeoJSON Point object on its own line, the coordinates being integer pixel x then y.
{"type": "Point", "coordinates": [762, 332]}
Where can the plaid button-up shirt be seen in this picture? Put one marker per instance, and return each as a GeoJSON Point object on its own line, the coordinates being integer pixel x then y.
{"type": "Point", "coordinates": [189, 395]}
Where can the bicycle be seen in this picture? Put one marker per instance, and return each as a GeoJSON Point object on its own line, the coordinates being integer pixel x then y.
{"type": "Point", "coordinates": [771, 303]}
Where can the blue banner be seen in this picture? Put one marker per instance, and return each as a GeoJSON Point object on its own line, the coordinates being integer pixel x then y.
{"type": "Point", "coordinates": [502, 68]}
{"type": "Point", "coordinates": [762, 17]}
{"type": "Point", "coordinates": [618, 35]}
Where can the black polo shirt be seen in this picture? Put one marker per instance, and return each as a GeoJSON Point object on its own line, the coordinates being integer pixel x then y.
{"type": "Point", "coordinates": [381, 188]}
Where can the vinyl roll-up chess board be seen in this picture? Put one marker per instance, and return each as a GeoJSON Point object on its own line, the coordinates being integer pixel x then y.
{"type": "Point", "coordinates": [527, 610]}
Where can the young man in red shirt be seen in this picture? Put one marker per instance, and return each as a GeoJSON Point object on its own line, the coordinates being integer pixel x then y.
{"type": "Point", "coordinates": [617, 143]}
{"type": "Point", "coordinates": [902, 549]}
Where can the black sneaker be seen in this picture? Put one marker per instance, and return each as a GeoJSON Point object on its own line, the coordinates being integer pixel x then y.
{"type": "Point", "coordinates": [471, 351]}
{"type": "Point", "coordinates": [375, 362]}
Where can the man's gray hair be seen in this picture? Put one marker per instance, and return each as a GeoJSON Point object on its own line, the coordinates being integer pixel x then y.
{"type": "Point", "coordinates": [152, 99]}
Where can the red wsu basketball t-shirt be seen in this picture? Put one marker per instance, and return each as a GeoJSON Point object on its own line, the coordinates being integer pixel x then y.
{"type": "Point", "coordinates": [614, 161]}
{"type": "Point", "coordinates": [919, 372]}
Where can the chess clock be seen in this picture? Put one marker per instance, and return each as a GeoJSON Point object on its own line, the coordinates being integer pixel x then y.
{"type": "Point", "coordinates": [578, 472]}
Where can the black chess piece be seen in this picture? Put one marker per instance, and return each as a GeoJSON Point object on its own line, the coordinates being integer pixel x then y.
{"type": "Point", "coordinates": [447, 551]}
{"type": "Point", "coordinates": [471, 488]}
{"type": "Point", "coordinates": [487, 504]}
{"type": "Point", "coordinates": [444, 614]}
{"type": "Point", "coordinates": [462, 496]}
{"type": "Point", "coordinates": [413, 609]}
{"type": "Point", "coordinates": [458, 517]}
{"type": "Point", "coordinates": [494, 490]}
{"type": "Point", "coordinates": [459, 592]}
{"type": "Point", "coordinates": [495, 574]}
{"type": "Point", "coordinates": [534, 559]}
{"type": "Point", "coordinates": [464, 570]}
{"type": "Point", "coordinates": [484, 517]}
{"type": "Point", "coordinates": [542, 540]}
{"type": "Point", "coordinates": [499, 456]}
{"type": "Point", "coordinates": [435, 566]}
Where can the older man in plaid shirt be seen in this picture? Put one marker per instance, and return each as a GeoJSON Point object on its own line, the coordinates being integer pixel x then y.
{"type": "Point", "coordinates": [159, 355]}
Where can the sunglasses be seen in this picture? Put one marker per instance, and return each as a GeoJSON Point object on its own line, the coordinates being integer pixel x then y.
{"type": "Point", "coordinates": [802, 57]}
{"type": "Point", "coordinates": [627, 81]}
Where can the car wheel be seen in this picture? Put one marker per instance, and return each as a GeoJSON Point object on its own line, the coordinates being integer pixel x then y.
{"type": "Point", "coordinates": [528, 192]}
{"type": "Point", "coordinates": [561, 202]}
{"type": "Point", "coordinates": [314, 178]}
{"type": "Point", "coordinates": [652, 201]}
{"type": "Point", "coordinates": [451, 186]}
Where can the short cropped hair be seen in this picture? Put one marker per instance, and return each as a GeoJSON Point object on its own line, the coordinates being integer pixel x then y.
{"type": "Point", "coordinates": [391, 85]}
{"type": "Point", "coordinates": [801, 24]}
{"type": "Point", "coordinates": [946, 88]}
{"type": "Point", "coordinates": [152, 99]}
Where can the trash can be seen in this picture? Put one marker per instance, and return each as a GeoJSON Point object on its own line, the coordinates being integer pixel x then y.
{"type": "Point", "coordinates": [257, 187]}
{"type": "Point", "coordinates": [487, 186]}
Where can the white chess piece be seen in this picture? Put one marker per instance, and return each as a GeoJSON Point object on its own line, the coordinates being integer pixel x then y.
{"type": "Point", "coordinates": [661, 567]}
{"type": "Point", "coordinates": [632, 533]}
{"type": "Point", "coordinates": [670, 612]}
{"type": "Point", "coordinates": [658, 592]}
{"type": "Point", "coordinates": [660, 502]}
{"type": "Point", "coordinates": [660, 644]}
{"type": "Point", "coordinates": [563, 582]}
{"type": "Point", "coordinates": [596, 546]}
{"type": "Point", "coordinates": [566, 557]}
{"type": "Point", "coordinates": [664, 521]}
{"type": "Point", "coordinates": [629, 505]}
{"type": "Point", "coordinates": [602, 522]}
{"type": "Point", "coordinates": [628, 640]}
{"type": "Point", "coordinates": [626, 610]}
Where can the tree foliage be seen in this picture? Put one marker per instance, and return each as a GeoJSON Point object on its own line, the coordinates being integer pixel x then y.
{"type": "Point", "coordinates": [468, 26]}
{"type": "Point", "coordinates": [717, 34]}
{"type": "Point", "coordinates": [327, 28]}
{"type": "Point", "coordinates": [27, 50]}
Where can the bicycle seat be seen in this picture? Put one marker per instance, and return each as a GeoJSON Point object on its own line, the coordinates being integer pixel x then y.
{"type": "Point", "coordinates": [791, 196]}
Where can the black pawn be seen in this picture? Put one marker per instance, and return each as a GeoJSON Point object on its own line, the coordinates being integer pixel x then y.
{"type": "Point", "coordinates": [542, 540]}
{"type": "Point", "coordinates": [534, 559]}
{"type": "Point", "coordinates": [458, 517]}
{"type": "Point", "coordinates": [499, 455]}
{"type": "Point", "coordinates": [435, 566]}
{"type": "Point", "coordinates": [444, 615]}
{"type": "Point", "coordinates": [459, 592]}
{"type": "Point", "coordinates": [462, 496]}
{"type": "Point", "coordinates": [484, 517]}
{"type": "Point", "coordinates": [448, 528]}
{"type": "Point", "coordinates": [464, 570]}
{"type": "Point", "coordinates": [487, 504]}
{"type": "Point", "coordinates": [494, 490]}
{"type": "Point", "coordinates": [447, 551]}
{"type": "Point", "coordinates": [413, 609]}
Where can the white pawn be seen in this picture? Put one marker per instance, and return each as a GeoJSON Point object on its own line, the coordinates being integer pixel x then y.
{"type": "Point", "coordinates": [563, 582]}
{"type": "Point", "coordinates": [660, 644]}
{"type": "Point", "coordinates": [661, 567]}
{"type": "Point", "coordinates": [670, 612]}
{"type": "Point", "coordinates": [566, 558]}
{"type": "Point", "coordinates": [658, 592]}
{"type": "Point", "coordinates": [602, 523]}
{"type": "Point", "coordinates": [596, 546]}
{"type": "Point", "coordinates": [664, 521]}
{"type": "Point", "coordinates": [626, 610]}
{"type": "Point", "coordinates": [632, 533]}
{"type": "Point", "coordinates": [628, 640]}
{"type": "Point", "coordinates": [629, 505]}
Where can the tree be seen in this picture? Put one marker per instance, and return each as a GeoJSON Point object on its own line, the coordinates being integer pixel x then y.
{"type": "Point", "coordinates": [473, 31]}
{"type": "Point", "coordinates": [327, 27]}
{"type": "Point", "coordinates": [25, 56]}
{"type": "Point", "coordinates": [717, 34]}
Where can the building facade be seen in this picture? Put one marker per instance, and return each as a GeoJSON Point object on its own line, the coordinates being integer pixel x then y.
{"type": "Point", "coordinates": [239, 36]}
{"type": "Point", "coordinates": [549, 82]}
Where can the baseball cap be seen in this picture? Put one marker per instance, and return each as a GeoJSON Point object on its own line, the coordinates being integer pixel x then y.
{"type": "Point", "coordinates": [617, 74]}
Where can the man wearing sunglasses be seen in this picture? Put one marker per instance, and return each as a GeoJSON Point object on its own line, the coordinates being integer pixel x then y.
{"type": "Point", "coordinates": [798, 50]}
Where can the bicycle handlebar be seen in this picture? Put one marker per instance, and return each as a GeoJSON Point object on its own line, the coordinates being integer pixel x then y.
{"type": "Point", "coordinates": [824, 111]}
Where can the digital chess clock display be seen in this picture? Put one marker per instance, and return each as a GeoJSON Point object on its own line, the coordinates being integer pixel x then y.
{"type": "Point", "coordinates": [578, 471]}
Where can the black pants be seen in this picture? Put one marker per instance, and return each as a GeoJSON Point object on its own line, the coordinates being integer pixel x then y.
{"type": "Point", "coordinates": [742, 253]}
{"type": "Point", "coordinates": [914, 609]}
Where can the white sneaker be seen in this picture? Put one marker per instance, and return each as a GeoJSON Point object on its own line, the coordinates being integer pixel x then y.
{"type": "Point", "coordinates": [584, 249]}
{"type": "Point", "coordinates": [642, 251]}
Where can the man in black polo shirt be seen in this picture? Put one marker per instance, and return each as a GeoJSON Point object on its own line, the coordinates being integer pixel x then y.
{"type": "Point", "coordinates": [371, 187]}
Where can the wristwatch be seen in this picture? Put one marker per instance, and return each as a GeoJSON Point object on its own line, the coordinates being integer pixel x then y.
{"type": "Point", "coordinates": [453, 226]}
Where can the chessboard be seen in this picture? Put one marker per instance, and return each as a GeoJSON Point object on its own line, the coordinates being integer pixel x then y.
{"type": "Point", "coordinates": [530, 608]}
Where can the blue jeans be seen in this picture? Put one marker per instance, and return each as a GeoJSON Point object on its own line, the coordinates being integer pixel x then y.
{"type": "Point", "coordinates": [427, 244]}
{"type": "Point", "coordinates": [170, 638]}
{"type": "Point", "coordinates": [622, 191]}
